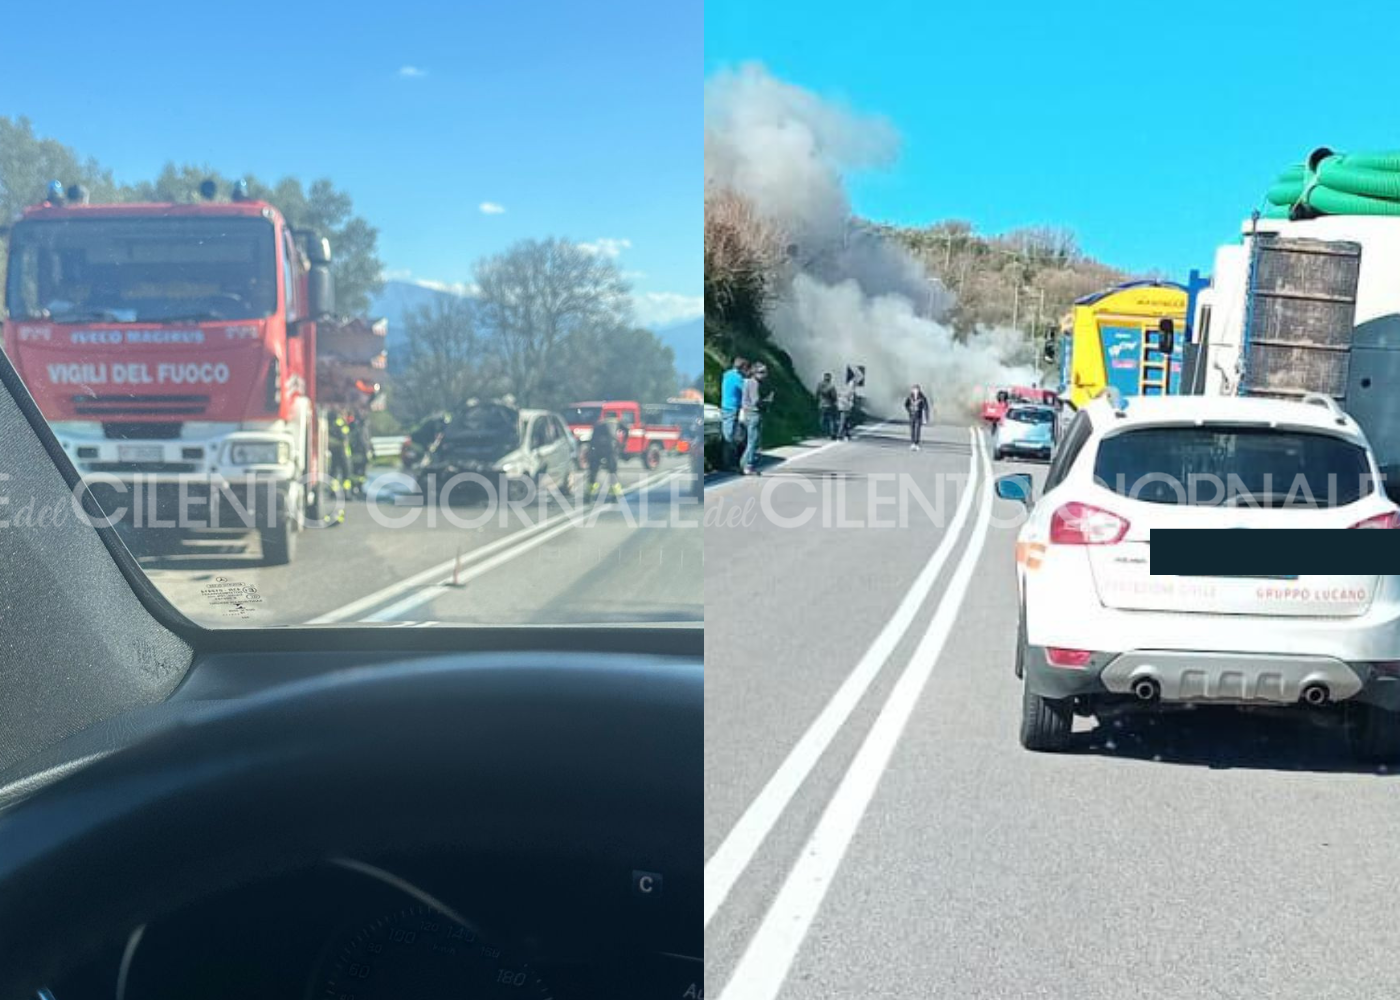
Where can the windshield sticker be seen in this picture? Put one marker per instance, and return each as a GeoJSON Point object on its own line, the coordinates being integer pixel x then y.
{"type": "Point", "coordinates": [233, 598]}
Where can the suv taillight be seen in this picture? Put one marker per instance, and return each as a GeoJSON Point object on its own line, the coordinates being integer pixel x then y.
{"type": "Point", "coordinates": [1082, 524]}
{"type": "Point", "coordinates": [1388, 520]}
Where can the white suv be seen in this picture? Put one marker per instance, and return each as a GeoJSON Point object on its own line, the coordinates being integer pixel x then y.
{"type": "Point", "coordinates": [1099, 633]}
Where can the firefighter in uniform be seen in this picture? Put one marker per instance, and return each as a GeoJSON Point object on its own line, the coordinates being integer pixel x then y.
{"type": "Point", "coordinates": [339, 445]}
{"type": "Point", "coordinates": [602, 454]}
{"type": "Point", "coordinates": [361, 450]}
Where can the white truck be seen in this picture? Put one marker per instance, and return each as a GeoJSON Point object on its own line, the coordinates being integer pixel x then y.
{"type": "Point", "coordinates": [1308, 306]}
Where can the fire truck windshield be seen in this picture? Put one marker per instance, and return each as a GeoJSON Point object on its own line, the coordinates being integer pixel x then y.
{"type": "Point", "coordinates": [152, 270]}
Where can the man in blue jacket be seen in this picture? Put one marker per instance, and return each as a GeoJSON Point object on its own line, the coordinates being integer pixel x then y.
{"type": "Point", "coordinates": [731, 398]}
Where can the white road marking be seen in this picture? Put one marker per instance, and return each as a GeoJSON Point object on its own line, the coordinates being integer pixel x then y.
{"type": "Point", "coordinates": [397, 610]}
{"type": "Point", "coordinates": [733, 479]}
{"type": "Point", "coordinates": [765, 963]}
{"type": "Point", "coordinates": [733, 856]}
{"type": "Point", "coordinates": [442, 572]}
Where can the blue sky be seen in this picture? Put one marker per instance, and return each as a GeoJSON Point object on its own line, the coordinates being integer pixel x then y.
{"type": "Point", "coordinates": [580, 120]}
{"type": "Point", "coordinates": [1151, 130]}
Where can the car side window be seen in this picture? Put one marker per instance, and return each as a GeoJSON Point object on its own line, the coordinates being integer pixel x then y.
{"type": "Point", "coordinates": [537, 434]}
{"type": "Point", "coordinates": [560, 431]}
{"type": "Point", "coordinates": [627, 418]}
{"type": "Point", "coordinates": [1075, 437]}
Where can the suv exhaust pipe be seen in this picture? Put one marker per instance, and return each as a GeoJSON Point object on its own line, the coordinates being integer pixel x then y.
{"type": "Point", "coordinates": [1315, 694]}
{"type": "Point", "coordinates": [1146, 689]}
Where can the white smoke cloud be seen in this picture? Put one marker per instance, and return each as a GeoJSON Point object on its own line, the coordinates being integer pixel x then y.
{"type": "Point", "coordinates": [853, 297]}
{"type": "Point", "coordinates": [823, 326]}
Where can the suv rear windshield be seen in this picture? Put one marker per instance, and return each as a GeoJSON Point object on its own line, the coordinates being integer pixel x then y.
{"type": "Point", "coordinates": [1031, 415]}
{"type": "Point", "coordinates": [1234, 466]}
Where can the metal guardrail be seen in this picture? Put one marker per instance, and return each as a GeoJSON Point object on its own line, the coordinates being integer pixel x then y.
{"type": "Point", "coordinates": [712, 422]}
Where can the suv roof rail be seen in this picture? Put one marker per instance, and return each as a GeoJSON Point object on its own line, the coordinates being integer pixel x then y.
{"type": "Point", "coordinates": [1324, 400]}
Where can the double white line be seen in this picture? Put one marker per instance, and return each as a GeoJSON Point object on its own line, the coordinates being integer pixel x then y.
{"type": "Point", "coordinates": [761, 970]}
{"type": "Point", "coordinates": [398, 599]}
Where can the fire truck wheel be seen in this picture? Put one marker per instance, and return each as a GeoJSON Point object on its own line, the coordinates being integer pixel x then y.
{"type": "Point", "coordinates": [314, 505]}
{"type": "Point", "coordinates": [279, 542]}
{"type": "Point", "coordinates": [652, 458]}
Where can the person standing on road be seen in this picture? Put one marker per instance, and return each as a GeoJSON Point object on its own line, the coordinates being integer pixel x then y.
{"type": "Point", "coordinates": [731, 399]}
{"type": "Point", "coordinates": [845, 404]}
{"type": "Point", "coordinates": [917, 406]}
{"type": "Point", "coordinates": [826, 405]}
{"type": "Point", "coordinates": [602, 455]}
{"type": "Point", "coordinates": [754, 402]}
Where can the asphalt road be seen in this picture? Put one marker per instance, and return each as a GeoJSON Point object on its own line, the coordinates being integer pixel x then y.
{"type": "Point", "coordinates": [873, 828]}
{"type": "Point", "coordinates": [638, 560]}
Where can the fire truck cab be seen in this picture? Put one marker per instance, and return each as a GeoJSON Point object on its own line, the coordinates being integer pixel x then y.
{"type": "Point", "coordinates": [172, 349]}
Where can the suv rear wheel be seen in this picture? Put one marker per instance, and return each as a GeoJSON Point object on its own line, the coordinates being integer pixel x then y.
{"type": "Point", "coordinates": [1373, 733]}
{"type": "Point", "coordinates": [1045, 722]}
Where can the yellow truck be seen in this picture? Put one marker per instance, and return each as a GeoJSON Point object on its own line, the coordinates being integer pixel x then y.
{"type": "Point", "coordinates": [1129, 337]}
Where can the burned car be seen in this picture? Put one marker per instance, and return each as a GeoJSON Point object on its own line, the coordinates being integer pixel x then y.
{"type": "Point", "coordinates": [485, 450]}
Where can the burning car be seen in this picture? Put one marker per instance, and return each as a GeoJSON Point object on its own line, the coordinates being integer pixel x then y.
{"type": "Point", "coordinates": [481, 449]}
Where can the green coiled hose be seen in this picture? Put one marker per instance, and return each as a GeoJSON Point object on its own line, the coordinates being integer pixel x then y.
{"type": "Point", "coordinates": [1337, 184]}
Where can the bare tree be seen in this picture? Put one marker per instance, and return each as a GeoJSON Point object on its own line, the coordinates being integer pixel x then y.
{"type": "Point", "coordinates": [447, 362]}
{"type": "Point", "coordinates": [536, 298]}
{"type": "Point", "coordinates": [743, 254]}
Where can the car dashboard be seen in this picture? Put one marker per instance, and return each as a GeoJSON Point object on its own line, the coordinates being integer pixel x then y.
{"type": "Point", "coordinates": [535, 848]}
{"type": "Point", "coordinates": [419, 926]}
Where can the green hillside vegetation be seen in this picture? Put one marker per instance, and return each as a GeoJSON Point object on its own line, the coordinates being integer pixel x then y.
{"type": "Point", "coordinates": [743, 257]}
{"type": "Point", "coordinates": [1026, 279]}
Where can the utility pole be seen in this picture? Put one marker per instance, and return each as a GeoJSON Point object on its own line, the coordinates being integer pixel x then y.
{"type": "Point", "coordinates": [1016, 306]}
{"type": "Point", "coordinates": [1036, 335]}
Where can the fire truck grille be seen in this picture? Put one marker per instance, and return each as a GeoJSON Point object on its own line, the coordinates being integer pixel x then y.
{"type": "Point", "coordinates": [132, 405]}
{"type": "Point", "coordinates": [152, 467]}
{"type": "Point", "coordinates": [147, 430]}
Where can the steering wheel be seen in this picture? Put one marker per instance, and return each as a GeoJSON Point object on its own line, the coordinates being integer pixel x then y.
{"type": "Point", "coordinates": [591, 754]}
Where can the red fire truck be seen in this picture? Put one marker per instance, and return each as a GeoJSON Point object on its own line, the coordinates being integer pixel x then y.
{"type": "Point", "coordinates": [999, 399]}
{"type": "Point", "coordinates": [173, 350]}
{"type": "Point", "coordinates": [639, 439]}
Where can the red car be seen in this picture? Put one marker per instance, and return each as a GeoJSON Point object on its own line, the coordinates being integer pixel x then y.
{"type": "Point", "coordinates": [1001, 398]}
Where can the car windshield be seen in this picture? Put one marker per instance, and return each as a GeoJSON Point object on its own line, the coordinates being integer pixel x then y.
{"type": "Point", "coordinates": [1028, 415]}
{"type": "Point", "coordinates": [584, 414]}
{"type": "Point", "coordinates": [142, 269]}
{"type": "Point", "coordinates": [1211, 466]}
{"type": "Point", "coordinates": [317, 345]}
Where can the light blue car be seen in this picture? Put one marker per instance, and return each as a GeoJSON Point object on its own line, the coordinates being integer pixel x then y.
{"type": "Point", "coordinates": [1025, 432]}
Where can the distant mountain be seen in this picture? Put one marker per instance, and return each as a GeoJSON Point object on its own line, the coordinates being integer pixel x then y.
{"type": "Point", "coordinates": [687, 339]}
{"type": "Point", "coordinates": [395, 301]}
{"type": "Point", "coordinates": [398, 299]}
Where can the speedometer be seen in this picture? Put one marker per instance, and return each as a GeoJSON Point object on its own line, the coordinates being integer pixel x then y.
{"type": "Point", "coordinates": [419, 952]}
